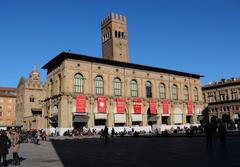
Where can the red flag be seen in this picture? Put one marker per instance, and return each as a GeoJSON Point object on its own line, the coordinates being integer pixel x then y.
{"type": "Point", "coordinates": [165, 105]}
{"type": "Point", "coordinates": [189, 107]}
{"type": "Point", "coordinates": [102, 104]}
{"type": "Point", "coordinates": [137, 105]}
{"type": "Point", "coordinates": [153, 108]}
{"type": "Point", "coordinates": [80, 103]}
{"type": "Point", "coordinates": [120, 105]}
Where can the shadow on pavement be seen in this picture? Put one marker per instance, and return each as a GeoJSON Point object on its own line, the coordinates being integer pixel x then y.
{"type": "Point", "coordinates": [146, 152]}
{"type": "Point", "coordinates": [10, 161]}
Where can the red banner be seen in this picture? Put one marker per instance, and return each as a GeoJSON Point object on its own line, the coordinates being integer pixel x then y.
{"type": "Point", "coordinates": [165, 106]}
{"type": "Point", "coordinates": [80, 103]}
{"type": "Point", "coordinates": [153, 107]}
{"type": "Point", "coordinates": [137, 106]}
{"type": "Point", "coordinates": [189, 107]}
{"type": "Point", "coordinates": [102, 104]}
{"type": "Point", "coordinates": [120, 105]}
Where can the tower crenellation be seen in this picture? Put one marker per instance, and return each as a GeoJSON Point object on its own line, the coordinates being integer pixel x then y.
{"type": "Point", "coordinates": [115, 17]}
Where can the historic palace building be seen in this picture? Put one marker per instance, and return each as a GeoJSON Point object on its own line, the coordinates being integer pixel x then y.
{"type": "Point", "coordinates": [90, 91]}
{"type": "Point", "coordinates": [223, 98]}
{"type": "Point", "coordinates": [30, 93]}
{"type": "Point", "coordinates": [7, 106]}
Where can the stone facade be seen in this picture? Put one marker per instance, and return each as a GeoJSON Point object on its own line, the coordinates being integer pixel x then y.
{"type": "Point", "coordinates": [61, 92]}
{"type": "Point", "coordinates": [223, 98]}
{"type": "Point", "coordinates": [70, 75]}
{"type": "Point", "coordinates": [7, 106]}
{"type": "Point", "coordinates": [30, 94]}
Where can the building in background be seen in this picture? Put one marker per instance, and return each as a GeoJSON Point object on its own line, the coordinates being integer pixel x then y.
{"type": "Point", "coordinates": [93, 92]}
{"type": "Point", "coordinates": [223, 98]}
{"type": "Point", "coordinates": [7, 106]}
{"type": "Point", "coordinates": [30, 93]}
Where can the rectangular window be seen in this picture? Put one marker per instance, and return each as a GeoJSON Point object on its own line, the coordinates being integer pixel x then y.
{"type": "Point", "coordinates": [51, 88]}
{"type": "Point", "coordinates": [234, 96]}
{"type": "Point", "coordinates": [99, 88]}
{"type": "Point", "coordinates": [162, 92]}
{"type": "Point", "coordinates": [31, 99]}
{"type": "Point", "coordinates": [117, 89]}
{"type": "Point", "coordinates": [134, 91]}
{"type": "Point", "coordinates": [222, 97]}
{"type": "Point", "coordinates": [174, 94]}
{"type": "Point", "coordinates": [8, 122]}
{"type": "Point", "coordinates": [0, 114]}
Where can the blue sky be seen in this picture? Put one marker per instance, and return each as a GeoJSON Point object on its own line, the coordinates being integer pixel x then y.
{"type": "Point", "coordinates": [196, 36]}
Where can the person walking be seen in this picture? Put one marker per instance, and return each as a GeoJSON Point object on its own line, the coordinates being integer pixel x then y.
{"type": "Point", "coordinates": [208, 131]}
{"type": "Point", "coordinates": [105, 131]}
{"type": "Point", "coordinates": [15, 143]}
{"type": "Point", "coordinates": [5, 144]}
{"type": "Point", "coordinates": [44, 136]}
{"type": "Point", "coordinates": [222, 134]}
{"type": "Point", "coordinates": [113, 132]}
{"type": "Point", "coordinates": [38, 137]}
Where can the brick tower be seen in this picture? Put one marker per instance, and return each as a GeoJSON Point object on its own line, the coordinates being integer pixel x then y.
{"type": "Point", "coordinates": [115, 38]}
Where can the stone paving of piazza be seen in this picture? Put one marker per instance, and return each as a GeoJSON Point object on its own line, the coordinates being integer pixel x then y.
{"type": "Point", "coordinates": [131, 152]}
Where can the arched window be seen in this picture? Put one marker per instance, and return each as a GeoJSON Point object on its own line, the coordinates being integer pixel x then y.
{"type": "Point", "coordinates": [117, 87]}
{"type": "Point", "coordinates": [99, 85]}
{"type": "Point", "coordinates": [195, 92]}
{"type": "Point", "coordinates": [185, 93]}
{"type": "Point", "coordinates": [122, 34]}
{"type": "Point", "coordinates": [78, 83]}
{"type": "Point", "coordinates": [162, 91]}
{"type": "Point", "coordinates": [134, 88]}
{"type": "Point", "coordinates": [174, 92]}
{"type": "Point", "coordinates": [148, 89]}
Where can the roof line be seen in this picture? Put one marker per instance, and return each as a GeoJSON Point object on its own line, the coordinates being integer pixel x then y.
{"type": "Point", "coordinates": [66, 55]}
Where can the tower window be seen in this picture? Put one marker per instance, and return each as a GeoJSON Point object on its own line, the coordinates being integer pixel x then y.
{"type": "Point", "coordinates": [122, 34]}
{"type": "Point", "coordinates": [119, 34]}
{"type": "Point", "coordinates": [116, 34]}
{"type": "Point", "coordinates": [31, 99]}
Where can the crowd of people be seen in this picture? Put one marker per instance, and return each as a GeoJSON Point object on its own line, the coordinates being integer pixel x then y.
{"type": "Point", "coordinates": [33, 136]}
{"type": "Point", "coordinates": [9, 140]}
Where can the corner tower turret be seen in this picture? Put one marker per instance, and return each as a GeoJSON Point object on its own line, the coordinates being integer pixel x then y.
{"type": "Point", "coordinates": [115, 38]}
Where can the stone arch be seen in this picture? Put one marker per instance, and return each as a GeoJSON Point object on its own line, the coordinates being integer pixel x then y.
{"type": "Point", "coordinates": [226, 118]}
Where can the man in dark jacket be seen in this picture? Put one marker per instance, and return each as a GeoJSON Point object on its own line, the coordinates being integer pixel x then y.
{"type": "Point", "coordinates": [4, 145]}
